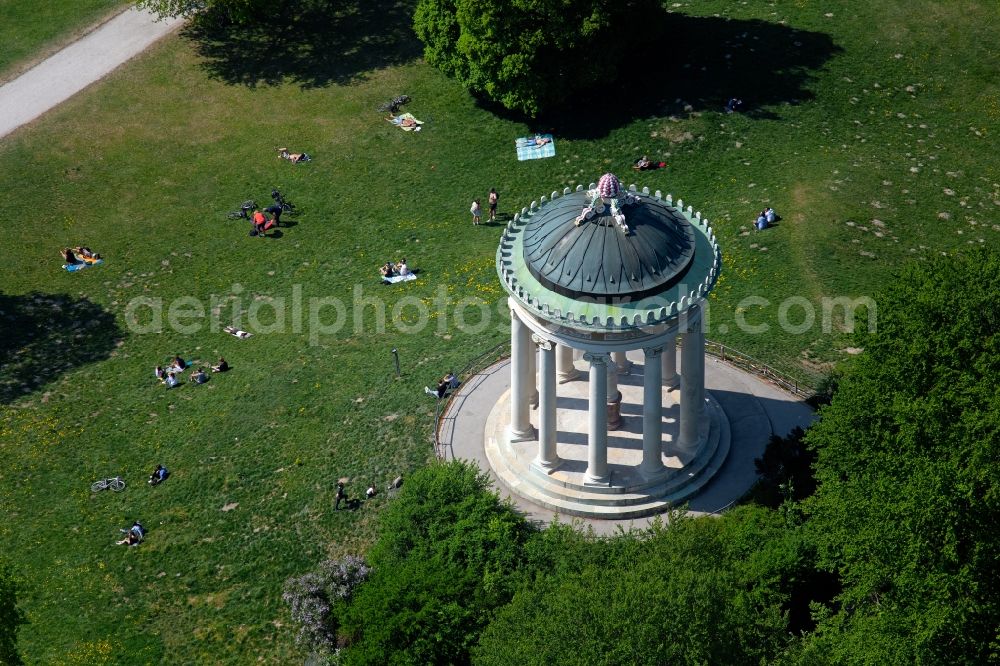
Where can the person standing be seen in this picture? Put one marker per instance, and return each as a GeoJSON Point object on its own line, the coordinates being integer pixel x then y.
{"type": "Point", "coordinates": [493, 199]}
{"type": "Point", "coordinates": [341, 495]}
{"type": "Point", "coordinates": [477, 212]}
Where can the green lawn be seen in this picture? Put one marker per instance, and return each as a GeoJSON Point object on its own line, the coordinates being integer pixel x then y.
{"type": "Point", "coordinates": [871, 130]}
{"type": "Point", "coordinates": [33, 30]}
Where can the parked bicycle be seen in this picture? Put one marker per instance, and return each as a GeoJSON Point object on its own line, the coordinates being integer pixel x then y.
{"type": "Point", "coordinates": [392, 106]}
{"type": "Point", "coordinates": [116, 484]}
{"type": "Point", "coordinates": [244, 212]}
{"type": "Point", "coordinates": [279, 200]}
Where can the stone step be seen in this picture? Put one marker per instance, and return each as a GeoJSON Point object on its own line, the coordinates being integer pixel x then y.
{"type": "Point", "coordinates": [625, 502]}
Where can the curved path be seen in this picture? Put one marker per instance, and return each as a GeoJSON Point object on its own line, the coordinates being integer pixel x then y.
{"type": "Point", "coordinates": [56, 79]}
{"type": "Point", "coordinates": [756, 409]}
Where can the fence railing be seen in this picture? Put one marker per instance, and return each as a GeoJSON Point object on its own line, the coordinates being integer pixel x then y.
{"type": "Point", "coordinates": [729, 355]}
{"type": "Point", "coordinates": [472, 368]}
{"type": "Point", "coordinates": [740, 360]}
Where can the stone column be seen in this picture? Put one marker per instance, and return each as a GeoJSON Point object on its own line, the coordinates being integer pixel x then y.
{"type": "Point", "coordinates": [533, 374]}
{"type": "Point", "coordinates": [520, 428]}
{"type": "Point", "coordinates": [547, 457]}
{"type": "Point", "coordinates": [670, 377]}
{"type": "Point", "coordinates": [622, 363]}
{"type": "Point", "coordinates": [692, 387]}
{"type": "Point", "coordinates": [564, 364]}
{"type": "Point", "coordinates": [614, 396]}
{"type": "Point", "coordinates": [652, 414]}
{"type": "Point", "coordinates": [597, 438]}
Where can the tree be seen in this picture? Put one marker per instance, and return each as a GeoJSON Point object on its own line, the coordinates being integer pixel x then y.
{"type": "Point", "coordinates": [908, 468]}
{"type": "Point", "coordinates": [11, 617]}
{"type": "Point", "coordinates": [533, 55]}
{"type": "Point", "coordinates": [445, 554]}
{"type": "Point", "coordinates": [233, 11]}
{"type": "Point", "coordinates": [698, 591]}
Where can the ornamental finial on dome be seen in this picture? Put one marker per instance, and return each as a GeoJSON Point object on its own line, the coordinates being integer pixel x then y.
{"type": "Point", "coordinates": [608, 191]}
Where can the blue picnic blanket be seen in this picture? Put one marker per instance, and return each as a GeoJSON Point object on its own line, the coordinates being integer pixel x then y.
{"type": "Point", "coordinates": [528, 148]}
{"type": "Point", "coordinates": [399, 278]}
{"type": "Point", "coordinates": [79, 267]}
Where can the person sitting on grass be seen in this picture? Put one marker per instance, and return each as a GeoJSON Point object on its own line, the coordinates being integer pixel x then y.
{"type": "Point", "coordinates": [171, 380]}
{"type": "Point", "coordinates": [402, 268]}
{"type": "Point", "coordinates": [770, 215]}
{"type": "Point", "coordinates": [259, 220]}
{"type": "Point", "coordinates": [133, 535]}
{"type": "Point", "coordinates": [160, 373]}
{"type": "Point", "coordinates": [643, 163]}
{"type": "Point", "coordinates": [221, 366]}
{"type": "Point", "coordinates": [86, 253]}
{"type": "Point", "coordinates": [177, 364]}
{"type": "Point", "coordinates": [69, 257]}
{"type": "Point", "coordinates": [371, 492]}
{"type": "Point", "coordinates": [198, 376]}
{"type": "Point", "coordinates": [388, 270]}
{"type": "Point", "coordinates": [761, 223]}
{"type": "Point", "coordinates": [158, 476]}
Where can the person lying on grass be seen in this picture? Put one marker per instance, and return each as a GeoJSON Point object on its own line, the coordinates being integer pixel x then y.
{"type": "Point", "coordinates": [294, 158]}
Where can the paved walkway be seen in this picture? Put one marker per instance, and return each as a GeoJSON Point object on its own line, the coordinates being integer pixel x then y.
{"type": "Point", "coordinates": [755, 408]}
{"type": "Point", "coordinates": [69, 71]}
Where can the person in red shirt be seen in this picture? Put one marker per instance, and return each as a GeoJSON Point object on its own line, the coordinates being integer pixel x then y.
{"type": "Point", "coordinates": [259, 220]}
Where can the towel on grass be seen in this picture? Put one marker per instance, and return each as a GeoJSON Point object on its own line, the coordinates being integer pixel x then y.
{"type": "Point", "coordinates": [399, 278]}
{"type": "Point", "coordinates": [413, 126]}
{"type": "Point", "coordinates": [85, 264]}
{"type": "Point", "coordinates": [528, 147]}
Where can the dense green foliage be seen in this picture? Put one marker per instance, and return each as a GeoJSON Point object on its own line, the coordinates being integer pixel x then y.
{"type": "Point", "coordinates": [442, 563]}
{"type": "Point", "coordinates": [11, 617]}
{"type": "Point", "coordinates": [699, 591]}
{"type": "Point", "coordinates": [530, 56]}
{"type": "Point", "coordinates": [909, 475]}
{"type": "Point", "coordinates": [785, 470]}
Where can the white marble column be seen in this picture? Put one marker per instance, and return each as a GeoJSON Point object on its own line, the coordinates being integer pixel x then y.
{"type": "Point", "coordinates": [652, 414]}
{"type": "Point", "coordinates": [692, 387]}
{"type": "Point", "coordinates": [622, 363]}
{"type": "Point", "coordinates": [565, 369]}
{"type": "Point", "coordinates": [547, 456]}
{"type": "Point", "coordinates": [533, 374]}
{"type": "Point", "coordinates": [597, 438]}
{"type": "Point", "coordinates": [520, 428]}
{"type": "Point", "coordinates": [670, 377]}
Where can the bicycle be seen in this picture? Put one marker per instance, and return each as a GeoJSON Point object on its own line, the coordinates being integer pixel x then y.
{"type": "Point", "coordinates": [392, 106]}
{"type": "Point", "coordinates": [279, 200]}
{"type": "Point", "coordinates": [116, 484]}
{"type": "Point", "coordinates": [244, 212]}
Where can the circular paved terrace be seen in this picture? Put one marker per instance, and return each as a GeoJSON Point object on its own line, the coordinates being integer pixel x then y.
{"type": "Point", "coordinates": [755, 409]}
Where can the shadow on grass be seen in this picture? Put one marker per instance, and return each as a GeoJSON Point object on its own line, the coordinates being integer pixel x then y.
{"type": "Point", "coordinates": [321, 43]}
{"type": "Point", "coordinates": [45, 335]}
{"type": "Point", "coordinates": [698, 64]}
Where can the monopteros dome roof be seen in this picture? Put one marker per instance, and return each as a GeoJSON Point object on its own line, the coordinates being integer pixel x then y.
{"type": "Point", "coordinates": [608, 260]}
{"type": "Point", "coordinates": [596, 258]}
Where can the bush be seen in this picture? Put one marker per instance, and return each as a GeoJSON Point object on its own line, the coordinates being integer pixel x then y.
{"type": "Point", "coordinates": [313, 595]}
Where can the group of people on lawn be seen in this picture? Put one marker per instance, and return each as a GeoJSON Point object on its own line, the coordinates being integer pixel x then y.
{"type": "Point", "coordinates": [168, 375]}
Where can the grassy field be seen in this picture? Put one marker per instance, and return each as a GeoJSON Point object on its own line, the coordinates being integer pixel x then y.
{"type": "Point", "coordinates": [869, 127]}
{"type": "Point", "coordinates": [33, 30]}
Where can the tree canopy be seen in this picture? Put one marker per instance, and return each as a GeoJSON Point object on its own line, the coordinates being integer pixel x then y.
{"type": "Point", "coordinates": [908, 467]}
{"type": "Point", "coordinates": [234, 11]}
{"type": "Point", "coordinates": [530, 56]}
